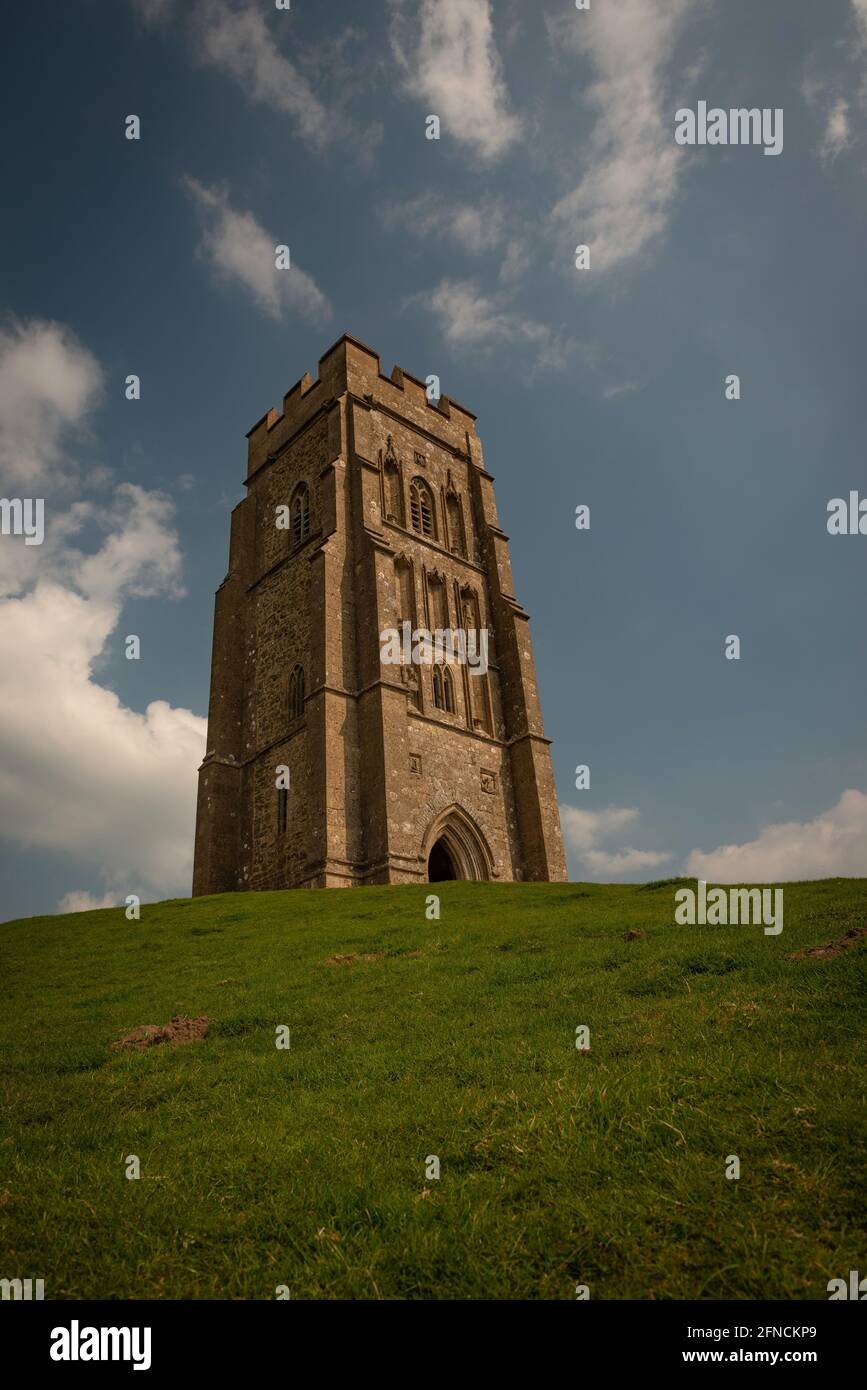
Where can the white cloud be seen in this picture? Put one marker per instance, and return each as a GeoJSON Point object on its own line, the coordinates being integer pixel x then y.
{"type": "Point", "coordinates": [450, 60]}
{"type": "Point", "coordinates": [516, 260]}
{"type": "Point", "coordinates": [583, 831]}
{"type": "Point", "coordinates": [235, 38]}
{"type": "Point", "coordinates": [474, 227]}
{"type": "Point", "coordinates": [837, 92]}
{"type": "Point", "coordinates": [81, 774]}
{"type": "Point", "coordinates": [834, 845]}
{"type": "Point", "coordinates": [79, 900]}
{"type": "Point", "coordinates": [470, 319]}
{"type": "Point", "coordinates": [141, 558]}
{"type": "Point", "coordinates": [837, 130]}
{"type": "Point", "coordinates": [623, 388]}
{"type": "Point", "coordinates": [625, 196]}
{"type": "Point", "coordinates": [238, 42]}
{"type": "Point", "coordinates": [49, 383]}
{"type": "Point", "coordinates": [822, 94]}
{"type": "Point", "coordinates": [613, 863]}
{"type": "Point", "coordinates": [479, 228]}
{"type": "Point", "coordinates": [238, 249]}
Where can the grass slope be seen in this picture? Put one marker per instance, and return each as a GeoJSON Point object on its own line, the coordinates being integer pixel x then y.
{"type": "Point", "coordinates": [306, 1167]}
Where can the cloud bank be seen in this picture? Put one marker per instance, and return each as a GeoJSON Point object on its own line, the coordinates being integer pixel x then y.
{"type": "Point", "coordinates": [833, 845]}
{"type": "Point", "coordinates": [583, 831]}
{"type": "Point", "coordinates": [80, 773]}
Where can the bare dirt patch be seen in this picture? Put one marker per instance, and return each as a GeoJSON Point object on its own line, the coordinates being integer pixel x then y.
{"type": "Point", "coordinates": [351, 959]}
{"type": "Point", "coordinates": [178, 1031]}
{"type": "Point", "coordinates": [831, 948]}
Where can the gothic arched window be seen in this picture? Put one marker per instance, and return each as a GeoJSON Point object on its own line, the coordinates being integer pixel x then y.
{"type": "Point", "coordinates": [405, 604]}
{"type": "Point", "coordinates": [392, 484]}
{"type": "Point", "coordinates": [444, 689]}
{"type": "Point", "coordinates": [448, 690]}
{"type": "Point", "coordinates": [393, 499]}
{"type": "Point", "coordinates": [296, 693]}
{"type": "Point", "coordinates": [421, 506]}
{"type": "Point", "coordinates": [457, 537]}
{"type": "Point", "coordinates": [438, 607]}
{"type": "Point", "coordinates": [299, 513]}
{"type": "Point", "coordinates": [439, 700]}
{"type": "Point", "coordinates": [469, 610]}
{"type": "Point", "coordinates": [479, 699]}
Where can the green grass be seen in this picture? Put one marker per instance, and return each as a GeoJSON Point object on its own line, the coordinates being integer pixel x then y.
{"type": "Point", "coordinates": [306, 1167]}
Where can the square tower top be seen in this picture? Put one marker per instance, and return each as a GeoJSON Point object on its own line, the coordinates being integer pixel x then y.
{"type": "Point", "coordinates": [351, 367]}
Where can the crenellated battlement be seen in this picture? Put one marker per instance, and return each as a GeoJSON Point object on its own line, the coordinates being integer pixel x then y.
{"type": "Point", "coordinates": [351, 367]}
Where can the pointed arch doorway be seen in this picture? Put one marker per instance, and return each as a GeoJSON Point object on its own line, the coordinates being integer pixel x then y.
{"type": "Point", "coordinates": [440, 865]}
{"type": "Point", "coordinates": [455, 849]}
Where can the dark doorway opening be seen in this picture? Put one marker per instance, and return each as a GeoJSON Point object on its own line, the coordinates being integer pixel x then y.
{"type": "Point", "coordinates": [440, 866]}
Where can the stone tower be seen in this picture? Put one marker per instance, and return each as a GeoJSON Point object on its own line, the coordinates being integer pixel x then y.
{"type": "Point", "coordinates": [368, 507]}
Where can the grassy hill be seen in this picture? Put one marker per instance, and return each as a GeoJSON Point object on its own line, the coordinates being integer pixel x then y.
{"type": "Point", "coordinates": [454, 1038]}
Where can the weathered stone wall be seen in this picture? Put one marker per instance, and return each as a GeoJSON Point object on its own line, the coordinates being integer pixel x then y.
{"type": "Point", "coordinates": [374, 764]}
{"type": "Point", "coordinates": [283, 615]}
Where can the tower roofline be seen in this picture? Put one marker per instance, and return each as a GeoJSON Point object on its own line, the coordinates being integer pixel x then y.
{"type": "Point", "coordinates": [397, 372]}
{"type": "Point", "coordinates": [336, 377]}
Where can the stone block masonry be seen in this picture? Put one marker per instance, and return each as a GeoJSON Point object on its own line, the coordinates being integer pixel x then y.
{"type": "Point", "coordinates": [368, 506]}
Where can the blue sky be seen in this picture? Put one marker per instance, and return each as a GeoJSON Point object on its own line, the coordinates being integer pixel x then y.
{"type": "Point", "coordinates": [456, 257]}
